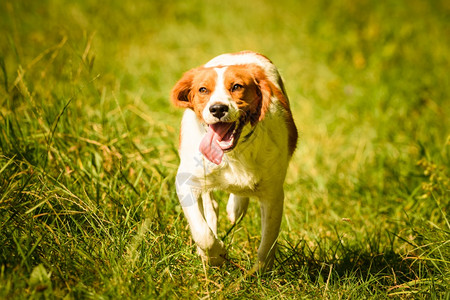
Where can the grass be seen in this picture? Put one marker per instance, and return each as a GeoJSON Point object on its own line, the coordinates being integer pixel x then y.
{"type": "Point", "coordinates": [89, 149]}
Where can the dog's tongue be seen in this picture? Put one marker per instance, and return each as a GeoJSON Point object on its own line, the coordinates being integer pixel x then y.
{"type": "Point", "coordinates": [209, 146]}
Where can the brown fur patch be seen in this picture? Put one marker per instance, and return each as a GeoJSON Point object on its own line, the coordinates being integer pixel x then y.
{"type": "Point", "coordinates": [252, 96]}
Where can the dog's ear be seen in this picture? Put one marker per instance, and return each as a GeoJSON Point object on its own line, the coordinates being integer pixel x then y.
{"type": "Point", "coordinates": [266, 89]}
{"type": "Point", "coordinates": [180, 94]}
{"type": "Point", "coordinates": [264, 92]}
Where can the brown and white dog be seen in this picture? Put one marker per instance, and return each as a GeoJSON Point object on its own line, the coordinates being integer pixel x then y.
{"type": "Point", "coordinates": [237, 135]}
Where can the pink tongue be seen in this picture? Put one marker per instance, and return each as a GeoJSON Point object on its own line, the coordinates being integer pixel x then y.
{"type": "Point", "coordinates": [209, 146]}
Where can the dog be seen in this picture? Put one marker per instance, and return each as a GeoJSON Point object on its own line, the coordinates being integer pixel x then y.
{"type": "Point", "coordinates": [237, 135]}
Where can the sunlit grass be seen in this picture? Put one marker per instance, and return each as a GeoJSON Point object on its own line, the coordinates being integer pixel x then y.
{"type": "Point", "coordinates": [89, 149]}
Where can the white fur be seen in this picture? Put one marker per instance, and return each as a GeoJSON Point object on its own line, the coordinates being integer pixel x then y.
{"type": "Point", "coordinates": [220, 96]}
{"type": "Point", "coordinates": [255, 168]}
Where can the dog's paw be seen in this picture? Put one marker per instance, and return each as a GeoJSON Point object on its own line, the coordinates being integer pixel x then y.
{"type": "Point", "coordinates": [236, 208]}
{"type": "Point", "coordinates": [214, 256]}
{"type": "Point", "coordinates": [262, 266]}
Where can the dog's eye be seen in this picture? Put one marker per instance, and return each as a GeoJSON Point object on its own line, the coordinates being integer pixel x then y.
{"type": "Point", "coordinates": [236, 87]}
{"type": "Point", "coordinates": [203, 90]}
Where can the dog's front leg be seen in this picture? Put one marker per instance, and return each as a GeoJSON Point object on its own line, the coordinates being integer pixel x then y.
{"type": "Point", "coordinates": [236, 207]}
{"type": "Point", "coordinates": [210, 211]}
{"type": "Point", "coordinates": [208, 246]}
{"type": "Point", "coordinates": [271, 215]}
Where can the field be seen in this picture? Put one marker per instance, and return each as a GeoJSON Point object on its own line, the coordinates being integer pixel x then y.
{"type": "Point", "coordinates": [89, 139]}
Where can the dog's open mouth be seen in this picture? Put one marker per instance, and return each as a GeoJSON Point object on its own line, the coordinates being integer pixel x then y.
{"type": "Point", "coordinates": [219, 138]}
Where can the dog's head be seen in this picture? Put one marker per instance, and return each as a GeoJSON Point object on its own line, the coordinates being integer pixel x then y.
{"type": "Point", "coordinates": [225, 99]}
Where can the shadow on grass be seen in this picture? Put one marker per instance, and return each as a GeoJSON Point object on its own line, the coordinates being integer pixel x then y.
{"type": "Point", "coordinates": [388, 270]}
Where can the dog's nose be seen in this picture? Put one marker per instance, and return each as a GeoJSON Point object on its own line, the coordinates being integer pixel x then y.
{"type": "Point", "coordinates": [218, 110]}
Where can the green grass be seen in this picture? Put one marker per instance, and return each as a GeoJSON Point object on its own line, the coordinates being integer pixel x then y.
{"type": "Point", "coordinates": [89, 149]}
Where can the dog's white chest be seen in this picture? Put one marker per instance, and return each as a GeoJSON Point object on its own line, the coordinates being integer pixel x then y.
{"type": "Point", "coordinates": [235, 176]}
